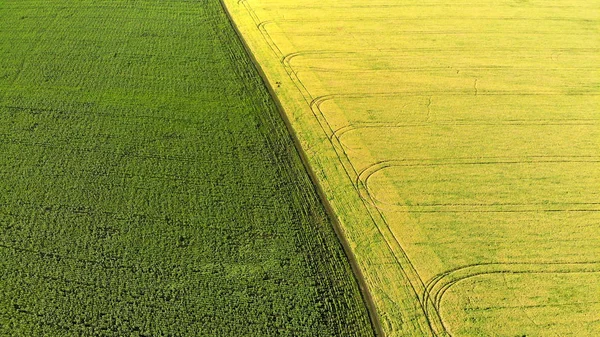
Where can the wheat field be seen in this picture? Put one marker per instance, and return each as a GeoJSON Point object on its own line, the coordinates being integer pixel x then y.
{"type": "Point", "coordinates": [458, 144]}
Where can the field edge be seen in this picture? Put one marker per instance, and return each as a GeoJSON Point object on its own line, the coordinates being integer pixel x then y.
{"type": "Point", "coordinates": [337, 227]}
{"type": "Point", "coordinates": [349, 216]}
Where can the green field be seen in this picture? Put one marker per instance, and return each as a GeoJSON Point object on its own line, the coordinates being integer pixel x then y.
{"type": "Point", "coordinates": [148, 186]}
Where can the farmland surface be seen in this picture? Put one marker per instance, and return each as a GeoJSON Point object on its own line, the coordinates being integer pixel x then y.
{"type": "Point", "coordinates": [459, 144]}
{"type": "Point", "coordinates": [148, 186]}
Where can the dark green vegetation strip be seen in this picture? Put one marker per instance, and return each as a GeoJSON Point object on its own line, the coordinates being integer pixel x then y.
{"type": "Point", "coordinates": [148, 185]}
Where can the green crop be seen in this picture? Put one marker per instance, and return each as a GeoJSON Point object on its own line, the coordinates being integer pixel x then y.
{"type": "Point", "coordinates": [148, 186]}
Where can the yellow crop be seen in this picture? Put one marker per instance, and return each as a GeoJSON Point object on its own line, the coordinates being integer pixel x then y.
{"type": "Point", "coordinates": [458, 142]}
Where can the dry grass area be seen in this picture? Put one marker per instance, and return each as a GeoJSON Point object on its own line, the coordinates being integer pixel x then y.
{"type": "Point", "coordinates": [459, 144]}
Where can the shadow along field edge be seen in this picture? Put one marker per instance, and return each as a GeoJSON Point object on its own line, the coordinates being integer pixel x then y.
{"type": "Point", "coordinates": [365, 293]}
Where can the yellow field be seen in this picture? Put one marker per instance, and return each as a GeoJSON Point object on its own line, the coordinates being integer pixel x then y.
{"type": "Point", "coordinates": [459, 145]}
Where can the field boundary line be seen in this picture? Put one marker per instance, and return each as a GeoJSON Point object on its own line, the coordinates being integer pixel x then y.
{"type": "Point", "coordinates": [358, 275]}
{"type": "Point", "coordinates": [404, 312]}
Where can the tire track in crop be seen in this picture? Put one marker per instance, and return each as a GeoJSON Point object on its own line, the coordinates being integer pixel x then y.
{"type": "Point", "coordinates": [405, 265]}
{"type": "Point", "coordinates": [439, 285]}
{"type": "Point", "coordinates": [369, 171]}
{"type": "Point", "coordinates": [400, 19]}
{"type": "Point", "coordinates": [308, 100]}
{"type": "Point", "coordinates": [339, 132]}
{"type": "Point", "coordinates": [454, 32]}
{"type": "Point", "coordinates": [440, 70]}
{"type": "Point", "coordinates": [374, 213]}
{"type": "Point", "coordinates": [71, 114]}
{"type": "Point", "coordinates": [435, 289]}
{"type": "Point", "coordinates": [315, 103]}
{"type": "Point", "coordinates": [437, 5]}
{"type": "Point", "coordinates": [398, 51]}
{"type": "Point", "coordinates": [346, 165]}
{"type": "Point", "coordinates": [464, 92]}
{"type": "Point", "coordinates": [122, 180]}
{"type": "Point", "coordinates": [107, 153]}
{"type": "Point", "coordinates": [434, 318]}
{"type": "Point", "coordinates": [393, 244]}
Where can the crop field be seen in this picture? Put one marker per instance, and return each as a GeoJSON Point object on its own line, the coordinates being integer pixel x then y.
{"type": "Point", "coordinates": [458, 142]}
{"type": "Point", "coordinates": [148, 185]}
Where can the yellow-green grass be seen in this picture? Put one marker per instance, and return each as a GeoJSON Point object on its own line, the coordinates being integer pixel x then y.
{"type": "Point", "coordinates": [459, 145]}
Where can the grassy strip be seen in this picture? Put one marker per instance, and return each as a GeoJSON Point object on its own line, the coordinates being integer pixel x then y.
{"type": "Point", "coordinates": [368, 298]}
{"type": "Point", "coordinates": [387, 283]}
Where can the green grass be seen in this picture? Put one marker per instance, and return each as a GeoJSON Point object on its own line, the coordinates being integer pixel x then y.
{"type": "Point", "coordinates": [148, 186]}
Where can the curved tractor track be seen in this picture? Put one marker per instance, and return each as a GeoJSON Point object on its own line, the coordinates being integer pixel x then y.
{"type": "Point", "coordinates": [307, 57]}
